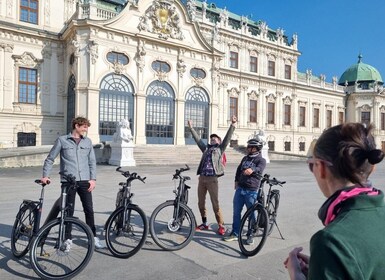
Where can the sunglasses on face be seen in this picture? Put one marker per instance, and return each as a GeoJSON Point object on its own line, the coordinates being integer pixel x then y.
{"type": "Point", "coordinates": [312, 161]}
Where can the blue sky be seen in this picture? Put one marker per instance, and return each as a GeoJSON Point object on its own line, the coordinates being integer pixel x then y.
{"type": "Point", "coordinates": [331, 33]}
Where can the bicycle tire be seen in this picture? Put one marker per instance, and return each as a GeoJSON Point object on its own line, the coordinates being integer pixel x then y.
{"type": "Point", "coordinates": [169, 234]}
{"type": "Point", "coordinates": [51, 262]}
{"type": "Point", "coordinates": [257, 229]}
{"type": "Point", "coordinates": [272, 210]}
{"type": "Point", "coordinates": [22, 230]}
{"type": "Point", "coordinates": [126, 239]}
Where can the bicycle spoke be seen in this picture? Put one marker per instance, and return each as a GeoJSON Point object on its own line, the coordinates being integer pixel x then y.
{"type": "Point", "coordinates": [170, 230]}
{"type": "Point", "coordinates": [253, 231]}
{"type": "Point", "coordinates": [53, 258]}
{"type": "Point", "coordinates": [126, 231]}
{"type": "Point", "coordinates": [22, 231]}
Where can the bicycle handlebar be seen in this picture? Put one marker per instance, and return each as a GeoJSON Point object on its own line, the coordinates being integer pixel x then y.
{"type": "Point", "coordinates": [40, 182]}
{"type": "Point", "coordinates": [179, 171]}
{"type": "Point", "coordinates": [130, 176]}
{"type": "Point", "coordinates": [266, 178]}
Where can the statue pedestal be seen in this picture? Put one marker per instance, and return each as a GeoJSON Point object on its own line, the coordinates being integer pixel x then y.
{"type": "Point", "coordinates": [265, 153]}
{"type": "Point", "coordinates": [122, 154]}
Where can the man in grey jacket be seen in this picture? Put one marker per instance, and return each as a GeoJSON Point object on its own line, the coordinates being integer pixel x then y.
{"type": "Point", "coordinates": [210, 168]}
{"type": "Point", "coordinates": [77, 157]}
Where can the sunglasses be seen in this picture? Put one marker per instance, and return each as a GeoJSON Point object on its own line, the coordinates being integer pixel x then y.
{"type": "Point", "coordinates": [312, 161]}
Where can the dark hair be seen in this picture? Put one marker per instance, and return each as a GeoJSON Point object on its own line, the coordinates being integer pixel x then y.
{"type": "Point", "coordinates": [351, 149]}
{"type": "Point", "coordinates": [80, 121]}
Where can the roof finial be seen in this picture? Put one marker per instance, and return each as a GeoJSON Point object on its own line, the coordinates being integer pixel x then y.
{"type": "Point", "coordinates": [359, 57]}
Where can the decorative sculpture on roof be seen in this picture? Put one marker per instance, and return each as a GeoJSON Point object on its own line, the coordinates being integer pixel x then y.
{"type": "Point", "coordinates": [264, 29]}
{"type": "Point", "coordinates": [191, 9]}
{"type": "Point", "coordinates": [162, 18]}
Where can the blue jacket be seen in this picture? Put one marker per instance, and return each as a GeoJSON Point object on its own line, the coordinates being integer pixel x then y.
{"type": "Point", "coordinates": [78, 160]}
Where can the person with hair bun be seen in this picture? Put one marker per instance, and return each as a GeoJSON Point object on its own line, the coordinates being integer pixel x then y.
{"type": "Point", "coordinates": [352, 243]}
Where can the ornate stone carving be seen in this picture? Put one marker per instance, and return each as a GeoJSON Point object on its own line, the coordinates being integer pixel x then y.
{"type": "Point", "coordinates": [180, 67]}
{"type": "Point", "coordinates": [233, 92]}
{"type": "Point", "coordinates": [163, 19]}
{"type": "Point", "coordinates": [191, 9]}
{"type": "Point", "coordinates": [139, 56]}
{"type": "Point", "coordinates": [92, 49]}
{"type": "Point", "coordinates": [27, 59]}
{"type": "Point", "coordinates": [76, 45]}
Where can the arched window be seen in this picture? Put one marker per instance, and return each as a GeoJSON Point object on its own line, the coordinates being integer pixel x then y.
{"type": "Point", "coordinates": [160, 113]}
{"type": "Point", "coordinates": [116, 102]}
{"type": "Point", "coordinates": [197, 110]}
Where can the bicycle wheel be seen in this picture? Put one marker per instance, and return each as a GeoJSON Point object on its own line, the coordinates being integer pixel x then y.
{"type": "Point", "coordinates": [253, 230]}
{"type": "Point", "coordinates": [272, 209]}
{"type": "Point", "coordinates": [53, 257]}
{"type": "Point", "coordinates": [22, 230]}
{"type": "Point", "coordinates": [126, 231]}
{"type": "Point", "coordinates": [172, 233]}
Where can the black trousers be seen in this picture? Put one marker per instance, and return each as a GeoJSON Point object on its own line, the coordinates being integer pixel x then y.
{"type": "Point", "coordinates": [85, 198]}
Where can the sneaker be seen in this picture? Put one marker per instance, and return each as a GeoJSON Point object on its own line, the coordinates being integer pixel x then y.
{"type": "Point", "coordinates": [67, 245]}
{"type": "Point", "coordinates": [250, 240]}
{"type": "Point", "coordinates": [202, 227]}
{"type": "Point", "coordinates": [231, 237]}
{"type": "Point", "coordinates": [98, 243]}
{"type": "Point", "coordinates": [221, 230]}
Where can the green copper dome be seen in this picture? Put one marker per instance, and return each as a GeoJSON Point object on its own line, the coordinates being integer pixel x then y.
{"type": "Point", "coordinates": [360, 72]}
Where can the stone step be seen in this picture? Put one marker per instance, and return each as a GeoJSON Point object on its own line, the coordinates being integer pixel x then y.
{"type": "Point", "coordinates": [164, 155]}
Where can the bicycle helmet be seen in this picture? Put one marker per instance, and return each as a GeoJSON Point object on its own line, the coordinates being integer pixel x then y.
{"type": "Point", "coordinates": [255, 142]}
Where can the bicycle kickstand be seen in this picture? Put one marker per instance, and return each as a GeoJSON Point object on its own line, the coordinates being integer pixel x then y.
{"type": "Point", "coordinates": [275, 222]}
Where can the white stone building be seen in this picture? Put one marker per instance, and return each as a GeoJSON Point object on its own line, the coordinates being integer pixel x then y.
{"type": "Point", "coordinates": [158, 64]}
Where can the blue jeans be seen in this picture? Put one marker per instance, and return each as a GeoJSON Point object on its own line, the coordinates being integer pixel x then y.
{"type": "Point", "coordinates": [242, 196]}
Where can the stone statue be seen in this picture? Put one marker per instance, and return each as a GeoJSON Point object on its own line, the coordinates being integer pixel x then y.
{"type": "Point", "coordinates": [123, 132]}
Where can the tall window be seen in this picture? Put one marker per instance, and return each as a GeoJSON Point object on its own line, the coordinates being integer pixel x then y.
{"type": "Point", "coordinates": [340, 117]}
{"type": "Point", "coordinates": [328, 118]}
{"type": "Point", "coordinates": [382, 125]}
{"type": "Point", "coordinates": [234, 60]}
{"type": "Point", "coordinates": [365, 117]}
{"type": "Point", "coordinates": [302, 116]}
{"type": "Point", "coordinates": [253, 64]}
{"type": "Point", "coordinates": [302, 146]}
{"type": "Point", "coordinates": [253, 111]}
{"type": "Point", "coordinates": [29, 10]}
{"type": "Point", "coordinates": [271, 68]}
{"type": "Point", "coordinates": [271, 145]}
{"type": "Point", "coordinates": [270, 113]}
{"type": "Point", "coordinates": [287, 114]}
{"type": "Point", "coordinates": [287, 146]}
{"type": "Point", "coordinates": [27, 85]}
{"type": "Point", "coordinates": [116, 102]}
{"type": "Point", "coordinates": [288, 72]}
{"type": "Point", "coordinates": [316, 117]}
{"type": "Point", "coordinates": [233, 107]}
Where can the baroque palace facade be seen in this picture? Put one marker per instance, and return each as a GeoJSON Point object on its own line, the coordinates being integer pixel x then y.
{"type": "Point", "coordinates": [160, 63]}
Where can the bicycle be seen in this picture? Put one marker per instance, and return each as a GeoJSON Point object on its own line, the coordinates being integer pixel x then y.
{"type": "Point", "coordinates": [27, 223]}
{"type": "Point", "coordinates": [63, 247]}
{"type": "Point", "coordinates": [172, 223]}
{"type": "Point", "coordinates": [259, 220]}
{"type": "Point", "coordinates": [126, 228]}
